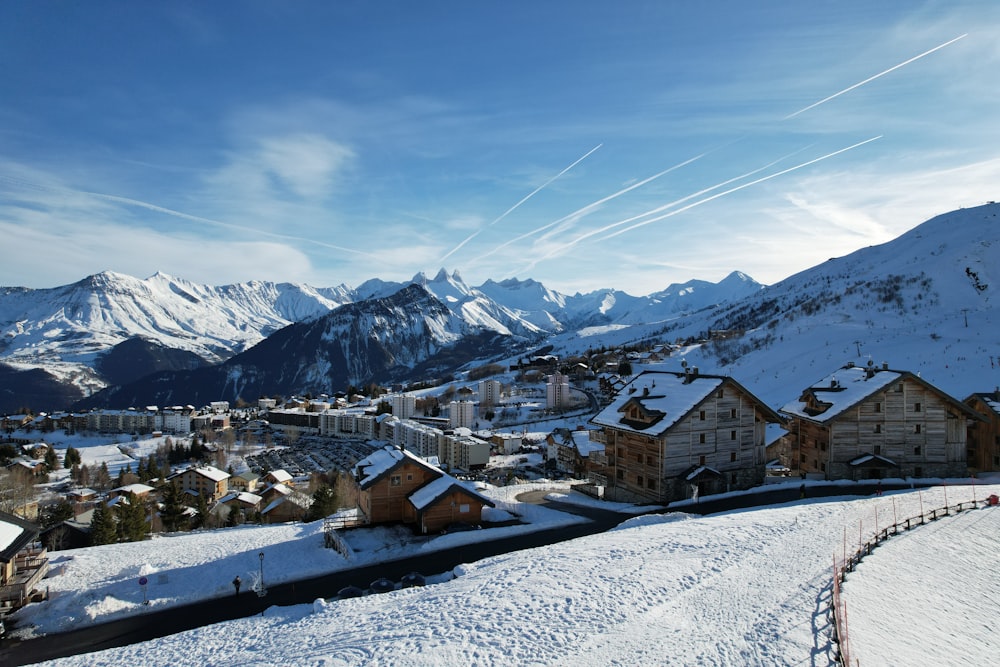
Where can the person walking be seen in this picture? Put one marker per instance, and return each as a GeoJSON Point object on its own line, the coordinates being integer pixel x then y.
{"type": "Point", "coordinates": [237, 582]}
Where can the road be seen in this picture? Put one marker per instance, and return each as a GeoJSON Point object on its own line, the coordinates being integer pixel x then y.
{"type": "Point", "coordinates": [154, 624]}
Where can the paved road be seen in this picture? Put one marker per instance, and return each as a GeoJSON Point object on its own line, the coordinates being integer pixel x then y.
{"type": "Point", "coordinates": [154, 624]}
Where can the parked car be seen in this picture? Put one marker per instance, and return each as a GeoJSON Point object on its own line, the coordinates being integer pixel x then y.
{"type": "Point", "coordinates": [412, 580]}
{"type": "Point", "coordinates": [382, 585]}
{"type": "Point", "coordinates": [350, 592]}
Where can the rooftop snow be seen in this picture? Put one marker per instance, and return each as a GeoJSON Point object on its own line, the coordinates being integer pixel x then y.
{"type": "Point", "coordinates": [669, 393]}
{"type": "Point", "coordinates": [843, 389]}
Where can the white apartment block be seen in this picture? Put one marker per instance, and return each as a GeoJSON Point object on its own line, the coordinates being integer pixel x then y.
{"type": "Point", "coordinates": [462, 452]}
{"type": "Point", "coordinates": [461, 414]}
{"type": "Point", "coordinates": [489, 392]}
{"type": "Point", "coordinates": [557, 391]}
{"type": "Point", "coordinates": [404, 405]}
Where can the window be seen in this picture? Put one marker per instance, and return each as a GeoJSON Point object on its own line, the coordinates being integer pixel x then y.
{"type": "Point", "coordinates": [916, 450]}
{"type": "Point", "coordinates": [721, 393]}
{"type": "Point", "coordinates": [395, 480]}
{"type": "Point", "coordinates": [409, 477]}
{"type": "Point", "coordinates": [732, 413]}
{"type": "Point", "coordinates": [638, 480]}
{"type": "Point", "coordinates": [464, 508]}
{"type": "Point", "coordinates": [878, 450]}
{"type": "Point", "coordinates": [822, 467]}
{"type": "Point", "coordinates": [620, 474]}
{"type": "Point", "coordinates": [916, 428]}
{"type": "Point", "coordinates": [701, 460]}
{"type": "Point", "coordinates": [732, 435]}
{"type": "Point", "coordinates": [649, 459]}
{"type": "Point", "coordinates": [638, 458]}
{"type": "Point", "coordinates": [701, 415]}
{"type": "Point", "coordinates": [878, 407]}
{"type": "Point", "coordinates": [878, 428]}
{"type": "Point", "coordinates": [651, 483]}
{"type": "Point", "coordinates": [732, 457]}
{"type": "Point", "coordinates": [916, 407]}
{"type": "Point", "coordinates": [701, 438]}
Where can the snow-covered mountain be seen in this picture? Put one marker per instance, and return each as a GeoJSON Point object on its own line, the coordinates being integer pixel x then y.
{"type": "Point", "coordinates": [71, 331]}
{"type": "Point", "coordinates": [922, 302]}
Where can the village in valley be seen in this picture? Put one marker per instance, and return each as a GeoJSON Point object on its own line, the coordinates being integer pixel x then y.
{"type": "Point", "coordinates": [644, 429]}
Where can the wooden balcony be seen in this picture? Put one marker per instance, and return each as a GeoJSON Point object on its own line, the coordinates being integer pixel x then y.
{"type": "Point", "coordinates": [30, 567]}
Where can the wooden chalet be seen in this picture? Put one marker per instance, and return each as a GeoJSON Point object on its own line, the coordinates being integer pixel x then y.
{"type": "Point", "coordinates": [983, 443]}
{"type": "Point", "coordinates": [873, 422]}
{"type": "Point", "coordinates": [396, 486]}
{"type": "Point", "coordinates": [670, 436]}
{"type": "Point", "coordinates": [23, 561]}
{"type": "Point", "coordinates": [203, 480]}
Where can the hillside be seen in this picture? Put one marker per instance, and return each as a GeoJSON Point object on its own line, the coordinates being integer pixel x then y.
{"type": "Point", "coordinates": [922, 302]}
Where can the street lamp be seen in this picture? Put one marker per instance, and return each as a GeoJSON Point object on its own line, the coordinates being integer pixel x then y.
{"type": "Point", "coordinates": [261, 591]}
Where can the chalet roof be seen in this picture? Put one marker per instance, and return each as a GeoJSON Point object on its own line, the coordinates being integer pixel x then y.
{"type": "Point", "coordinates": [701, 473]}
{"type": "Point", "coordinates": [137, 489]}
{"type": "Point", "coordinates": [850, 385]}
{"type": "Point", "coordinates": [279, 476]}
{"type": "Point", "coordinates": [667, 398]}
{"type": "Point", "coordinates": [840, 391]}
{"type": "Point", "coordinates": [300, 500]}
{"type": "Point", "coordinates": [211, 472]}
{"type": "Point", "coordinates": [241, 496]}
{"type": "Point", "coordinates": [990, 399]}
{"type": "Point", "coordinates": [378, 464]}
{"type": "Point", "coordinates": [15, 534]}
{"type": "Point", "coordinates": [872, 461]}
{"type": "Point", "coordinates": [430, 492]}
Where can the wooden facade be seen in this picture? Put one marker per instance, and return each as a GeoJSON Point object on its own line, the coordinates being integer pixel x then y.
{"type": "Point", "coordinates": [983, 443]}
{"type": "Point", "coordinates": [396, 486]}
{"type": "Point", "coordinates": [670, 436]}
{"type": "Point", "coordinates": [870, 423]}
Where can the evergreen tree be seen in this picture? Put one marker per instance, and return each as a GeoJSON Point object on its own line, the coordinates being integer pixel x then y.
{"type": "Point", "coordinates": [235, 516]}
{"type": "Point", "coordinates": [324, 503]}
{"type": "Point", "coordinates": [102, 526]}
{"type": "Point", "coordinates": [131, 519]}
{"type": "Point", "coordinates": [172, 515]}
{"type": "Point", "coordinates": [72, 457]}
{"type": "Point", "coordinates": [56, 513]}
{"type": "Point", "coordinates": [51, 460]}
{"type": "Point", "coordinates": [201, 507]}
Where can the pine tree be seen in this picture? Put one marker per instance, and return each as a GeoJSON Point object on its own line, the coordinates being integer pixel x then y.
{"type": "Point", "coordinates": [51, 460]}
{"type": "Point", "coordinates": [201, 507]}
{"type": "Point", "coordinates": [102, 526]}
{"type": "Point", "coordinates": [131, 519]}
{"type": "Point", "coordinates": [324, 503]}
{"type": "Point", "coordinates": [172, 515]}
{"type": "Point", "coordinates": [72, 457]}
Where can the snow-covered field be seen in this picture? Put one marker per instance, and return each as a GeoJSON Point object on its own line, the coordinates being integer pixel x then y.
{"type": "Point", "coordinates": [749, 587]}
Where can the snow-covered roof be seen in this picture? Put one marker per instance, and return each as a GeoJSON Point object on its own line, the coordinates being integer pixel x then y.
{"type": "Point", "coordinates": [212, 473]}
{"type": "Point", "coordinates": [584, 444]}
{"type": "Point", "coordinates": [840, 391]}
{"type": "Point", "coordinates": [137, 489]}
{"type": "Point", "coordinates": [280, 476]}
{"type": "Point", "coordinates": [430, 492]}
{"type": "Point", "coordinates": [241, 496]}
{"type": "Point", "coordinates": [378, 463]}
{"type": "Point", "coordinates": [669, 395]}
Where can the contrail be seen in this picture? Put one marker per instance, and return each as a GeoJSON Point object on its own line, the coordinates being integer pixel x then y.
{"type": "Point", "coordinates": [219, 223]}
{"type": "Point", "coordinates": [664, 207]}
{"type": "Point", "coordinates": [872, 78]}
{"type": "Point", "coordinates": [581, 238]}
{"type": "Point", "coordinates": [745, 185]}
{"type": "Point", "coordinates": [593, 205]}
{"type": "Point", "coordinates": [512, 208]}
{"type": "Point", "coordinates": [177, 214]}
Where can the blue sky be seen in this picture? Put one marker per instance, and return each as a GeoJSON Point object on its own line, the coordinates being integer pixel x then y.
{"type": "Point", "coordinates": [582, 144]}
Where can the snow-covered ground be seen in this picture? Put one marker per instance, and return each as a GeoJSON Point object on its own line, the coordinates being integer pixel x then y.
{"type": "Point", "coordinates": [749, 587]}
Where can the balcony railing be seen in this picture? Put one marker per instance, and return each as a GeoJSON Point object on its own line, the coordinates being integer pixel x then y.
{"type": "Point", "coordinates": [31, 566]}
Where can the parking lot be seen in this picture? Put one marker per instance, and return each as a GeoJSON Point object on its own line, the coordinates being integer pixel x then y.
{"type": "Point", "coordinates": [310, 454]}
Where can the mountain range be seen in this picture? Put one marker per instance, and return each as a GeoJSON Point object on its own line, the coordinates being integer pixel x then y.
{"type": "Point", "coordinates": [922, 302]}
{"type": "Point", "coordinates": [91, 340]}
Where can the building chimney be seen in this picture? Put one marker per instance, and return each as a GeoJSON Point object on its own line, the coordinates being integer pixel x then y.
{"type": "Point", "coordinates": [885, 365]}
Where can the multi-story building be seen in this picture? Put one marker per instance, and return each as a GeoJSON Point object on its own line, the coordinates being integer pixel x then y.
{"type": "Point", "coordinates": [670, 436]}
{"type": "Point", "coordinates": [404, 405]}
{"type": "Point", "coordinates": [873, 422]}
{"type": "Point", "coordinates": [557, 391]}
{"type": "Point", "coordinates": [489, 393]}
{"type": "Point", "coordinates": [461, 414]}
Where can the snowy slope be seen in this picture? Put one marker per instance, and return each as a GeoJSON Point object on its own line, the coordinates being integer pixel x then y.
{"type": "Point", "coordinates": [748, 587]}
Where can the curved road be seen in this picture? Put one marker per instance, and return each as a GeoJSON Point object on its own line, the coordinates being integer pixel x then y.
{"type": "Point", "coordinates": [154, 624]}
